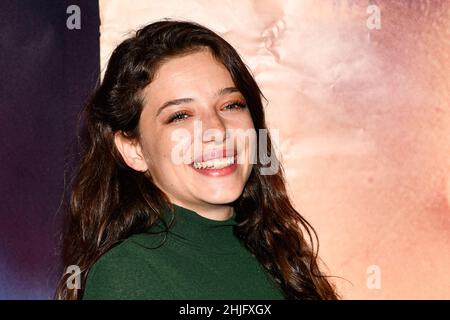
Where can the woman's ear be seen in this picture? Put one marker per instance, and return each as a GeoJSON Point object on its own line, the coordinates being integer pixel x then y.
{"type": "Point", "coordinates": [131, 151]}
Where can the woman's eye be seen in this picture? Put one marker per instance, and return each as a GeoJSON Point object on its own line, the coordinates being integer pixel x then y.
{"type": "Point", "coordinates": [178, 116]}
{"type": "Point", "coordinates": [235, 105]}
{"type": "Point", "coordinates": [181, 115]}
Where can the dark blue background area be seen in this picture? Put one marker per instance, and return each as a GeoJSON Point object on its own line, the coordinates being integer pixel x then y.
{"type": "Point", "coordinates": [47, 73]}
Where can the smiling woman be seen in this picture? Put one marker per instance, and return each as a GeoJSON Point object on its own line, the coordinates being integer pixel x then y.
{"type": "Point", "coordinates": [211, 93]}
{"type": "Point", "coordinates": [144, 226]}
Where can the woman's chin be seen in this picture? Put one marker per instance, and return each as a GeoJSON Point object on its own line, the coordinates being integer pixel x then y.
{"type": "Point", "coordinates": [220, 196]}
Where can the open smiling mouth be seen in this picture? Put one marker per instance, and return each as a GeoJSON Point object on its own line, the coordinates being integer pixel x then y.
{"type": "Point", "coordinates": [216, 167]}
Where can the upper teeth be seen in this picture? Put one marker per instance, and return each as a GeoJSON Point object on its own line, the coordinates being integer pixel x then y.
{"type": "Point", "coordinates": [216, 163]}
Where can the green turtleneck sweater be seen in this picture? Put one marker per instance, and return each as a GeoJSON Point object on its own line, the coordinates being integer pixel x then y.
{"type": "Point", "coordinates": [199, 259]}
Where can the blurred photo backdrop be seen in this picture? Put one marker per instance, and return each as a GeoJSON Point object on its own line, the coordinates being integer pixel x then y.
{"type": "Point", "coordinates": [47, 73]}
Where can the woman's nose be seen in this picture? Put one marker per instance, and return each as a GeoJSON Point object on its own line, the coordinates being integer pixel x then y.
{"type": "Point", "coordinates": [214, 128]}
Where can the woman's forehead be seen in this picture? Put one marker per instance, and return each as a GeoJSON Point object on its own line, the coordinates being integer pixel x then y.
{"type": "Point", "coordinates": [198, 73]}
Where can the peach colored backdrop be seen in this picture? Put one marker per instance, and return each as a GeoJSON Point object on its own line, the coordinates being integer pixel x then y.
{"type": "Point", "coordinates": [364, 120]}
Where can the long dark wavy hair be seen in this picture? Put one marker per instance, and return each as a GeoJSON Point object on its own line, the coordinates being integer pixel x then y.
{"type": "Point", "coordinates": [109, 201]}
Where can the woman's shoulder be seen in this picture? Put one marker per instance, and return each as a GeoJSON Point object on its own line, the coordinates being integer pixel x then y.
{"type": "Point", "coordinates": [117, 274]}
{"type": "Point", "coordinates": [129, 251]}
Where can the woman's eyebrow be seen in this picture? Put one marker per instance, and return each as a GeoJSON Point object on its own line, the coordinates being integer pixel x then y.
{"type": "Point", "coordinates": [179, 101]}
{"type": "Point", "coordinates": [174, 102]}
{"type": "Point", "coordinates": [227, 90]}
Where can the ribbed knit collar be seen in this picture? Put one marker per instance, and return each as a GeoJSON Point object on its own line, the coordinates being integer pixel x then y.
{"type": "Point", "coordinates": [193, 230]}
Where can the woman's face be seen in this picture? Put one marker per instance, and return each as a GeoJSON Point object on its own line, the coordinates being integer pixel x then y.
{"type": "Point", "coordinates": [193, 113]}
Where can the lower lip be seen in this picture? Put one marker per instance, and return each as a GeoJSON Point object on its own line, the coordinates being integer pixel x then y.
{"type": "Point", "coordinates": [217, 172]}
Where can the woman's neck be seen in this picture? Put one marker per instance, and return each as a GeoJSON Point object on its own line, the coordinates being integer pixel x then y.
{"type": "Point", "coordinates": [210, 211]}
